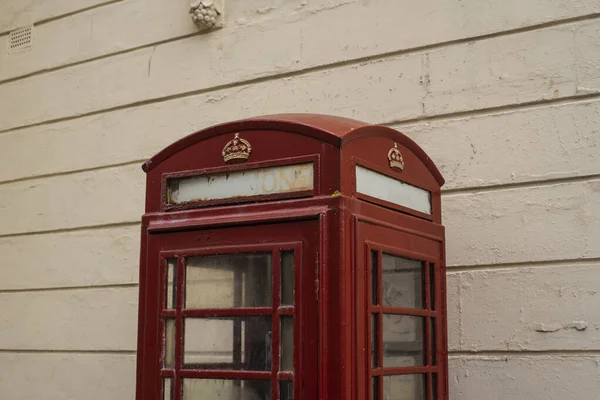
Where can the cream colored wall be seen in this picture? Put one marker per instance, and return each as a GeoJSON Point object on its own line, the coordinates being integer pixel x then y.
{"type": "Point", "coordinates": [504, 95]}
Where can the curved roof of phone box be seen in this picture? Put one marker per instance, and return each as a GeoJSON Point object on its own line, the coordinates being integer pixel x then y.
{"type": "Point", "coordinates": [337, 131]}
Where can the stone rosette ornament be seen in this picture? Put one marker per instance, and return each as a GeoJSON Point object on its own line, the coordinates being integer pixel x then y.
{"type": "Point", "coordinates": [205, 14]}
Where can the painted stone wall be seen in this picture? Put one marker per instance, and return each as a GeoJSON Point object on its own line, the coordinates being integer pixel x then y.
{"type": "Point", "coordinates": [504, 96]}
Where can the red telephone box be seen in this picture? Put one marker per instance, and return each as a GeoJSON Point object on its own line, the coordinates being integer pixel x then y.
{"type": "Point", "coordinates": [292, 257]}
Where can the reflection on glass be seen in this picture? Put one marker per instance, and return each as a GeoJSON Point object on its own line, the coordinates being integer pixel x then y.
{"type": "Point", "coordinates": [169, 346]}
{"type": "Point", "coordinates": [402, 283]}
{"type": "Point", "coordinates": [269, 351]}
{"type": "Point", "coordinates": [374, 340]}
{"type": "Point", "coordinates": [234, 280]}
{"type": "Point", "coordinates": [402, 341]}
{"type": "Point", "coordinates": [287, 278]}
{"type": "Point", "coordinates": [171, 283]}
{"type": "Point", "coordinates": [404, 387]}
{"type": "Point", "coordinates": [375, 387]}
{"type": "Point", "coordinates": [230, 343]}
{"type": "Point", "coordinates": [287, 343]}
{"type": "Point", "coordinates": [286, 390]}
{"type": "Point", "coordinates": [225, 389]}
{"type": "Point", "coordinates": [374, 277]}
{"type": "Point", "coordinates": [167, 389]}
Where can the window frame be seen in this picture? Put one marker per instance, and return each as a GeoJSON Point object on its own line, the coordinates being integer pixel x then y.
{"type": "Point", "coordinates": [432, 317]}
{"type": "Point", "coordinates": [275, 311]}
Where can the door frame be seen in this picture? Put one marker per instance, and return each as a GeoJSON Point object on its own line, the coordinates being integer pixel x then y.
{"type": "Point", "coordinates": [302, 235]}
{"type": "Point", "coordinates": [398, 241]}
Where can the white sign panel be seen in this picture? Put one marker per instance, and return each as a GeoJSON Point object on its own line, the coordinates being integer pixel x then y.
{"type": "Point", "coordinates": [386, 188]}
{"type": "Point", "coordinates": [255, 182]}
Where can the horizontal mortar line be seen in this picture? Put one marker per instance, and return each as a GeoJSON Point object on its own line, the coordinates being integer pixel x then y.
{"type": "Point", "coordinates": [474, 190]}
{"type": "Point", "coordinates": [99, 352]}
{"type": "Point", "coordinates": [521, 353]}
{"type": "Point", "coordinates": [477, 189]}
{"type": "Point", "coordinates": [518, 185]}
{"type": "Point", "coordinates": [489, 111]}
{"type": "Point", "coordinates": [521, 265]}
{"type": "Point", "coordinates": [69, 288]}
{"type": "Point", "coordinates": [452, 354]}
{"type": "Point", "coordinates": [74, 229]}
{"type": "Point", "coordinates": [574, 99]}
{"type": "Point", "coordinates": [308, 70]}
{"type": "Point", "coordinates": [108, 3]}
{"type": "Point", "coordinates": [108, 55]}
{"type": "Point", "coordinates": [450, 271]}
{"type": "Point", "coordinates": [75, 171]}
{"type": "Point", "coordinates": [496, 110]}
{"type": "Point", "coordinates": [69, 14]}
{"type": "Point", "coordinates": [352, 61]}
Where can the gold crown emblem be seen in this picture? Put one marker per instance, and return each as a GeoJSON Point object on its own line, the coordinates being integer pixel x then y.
{"type": "Point", "coordinates": [395, 158]}
{"type": "Point", "coordinates": [236, 149]}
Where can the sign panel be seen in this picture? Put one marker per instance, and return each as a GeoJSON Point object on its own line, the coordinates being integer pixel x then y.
{"type": "Point", "coordinates": [248, 183]}
{"type": "Point", "coordinates": [386, 188]}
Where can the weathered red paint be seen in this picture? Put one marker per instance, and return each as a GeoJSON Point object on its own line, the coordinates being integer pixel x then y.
{"type": "Point", "coordinates": [333, 229]}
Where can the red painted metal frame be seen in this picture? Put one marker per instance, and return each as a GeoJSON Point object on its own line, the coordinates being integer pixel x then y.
{"type": "Point", "coordinates": [386, 240]}
{"type": "Point", "coordinates": [302, 293]}
{"type": "Point", "coordinates": [429, 316]}
{"type": "Point", "coordinates": [336, 131]}
{"type": "Point", "coordinates": [275, 312]}
{"type": "Point", "coordinates": [334, 302]}
{"type": "Point", "coordinates": [276, 146]}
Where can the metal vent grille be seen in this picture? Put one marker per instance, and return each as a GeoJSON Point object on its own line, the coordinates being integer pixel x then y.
{"type": "Point", "coordinates": [20, 39]}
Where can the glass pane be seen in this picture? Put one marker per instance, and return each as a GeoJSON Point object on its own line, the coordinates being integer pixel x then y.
{"type": "Point", "coordinates": [287, 278]}
{"type": "Point", "coordinates": [374, 277]}
{"type": "Point", "coordinates": [170, 284]}
{"type": "Point", "coordinates": [375, 340]}
{"type": "Point", "coordinates": [434, 386]}
{"type": "Point", "coordinates": [402, 284]}
{"type": "Point", "coordinates": [404, 387]}
{"type": "Point", "coordinates": [287, 344]}
{"type": "Point", "coordinates": [225, 389]}
{"type": "Point", "coordinates": [402, 341]}
{"type": "Point", "coordinates": [269, 351]}
{"type": "Point", "coordinates": [244, 183]}
{"type": "Point", "coordinates": [433, 343]}
{"type": "Point", "coordinates": [167, 389]}
{"type": "Point", "coordinates": [286, 390]}
{"type": "Point", "coordinates": [169, 346]}
{"type": "Point", "coordinates": [375, 388]}
{"type": "Point", "coordinates": [234, 280]}
{"type": "Point", "coordinates": [432, 286]}
{"type": "Point", "coordinates": [230, 343]}
{"type": "Point", "coordinates": [386, 188]}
